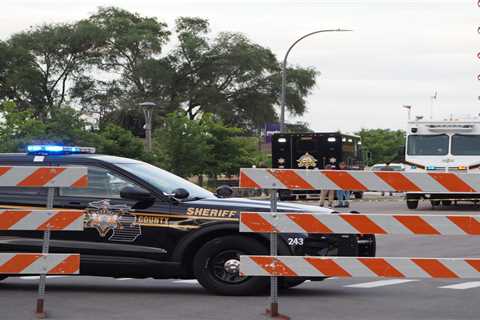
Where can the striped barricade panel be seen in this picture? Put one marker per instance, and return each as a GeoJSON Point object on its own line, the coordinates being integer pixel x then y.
{"type": "Point", "coordinates": [298, 266]}
{"type": "Point", "coordinates": [38, 263]}
{"type": "Point", "coordinates": [301, 179]}
{"type": "Point", "coordinates": [34, 176]}
{"type": "Point", "coordinates": [326, 223]}
{"type": "Point", "coordinates": [42, 220]}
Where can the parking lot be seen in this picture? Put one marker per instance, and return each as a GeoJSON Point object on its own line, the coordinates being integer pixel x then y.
{"type": "Point", "coordinates": [105, 298]}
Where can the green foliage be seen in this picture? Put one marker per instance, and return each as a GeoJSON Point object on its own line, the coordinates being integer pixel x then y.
{"type": "Point", "coordinates": [385, 145]}
{"type": "Point", "coordinates": [298, 127]}
{"type": "Point", "coordinates": [58, 52]}
{"type": "Point", "coordinates": [116, 141]}
{"type": "Point", "coordinates": [204, 146]}
{"type": "Point", "coordinates": [183, 147]}
{"type": "Point", "coordinates": [17, 127]}
{"type": "Point", "coordinates": [228, 150]}
{"type": "Point", "coordinates": [231, 77]}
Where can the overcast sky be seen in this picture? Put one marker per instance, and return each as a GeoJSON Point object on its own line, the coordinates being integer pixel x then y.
{"type": "Point", "coordinates": [400, 52]}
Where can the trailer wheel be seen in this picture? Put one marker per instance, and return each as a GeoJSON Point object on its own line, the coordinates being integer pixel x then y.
{"type": "Point", "coordinates": [412, 204]}
{"type": "Point", "coordinates": [358, 195]}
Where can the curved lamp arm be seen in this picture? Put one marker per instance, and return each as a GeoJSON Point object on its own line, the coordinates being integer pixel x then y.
{"type": "Point", "coordinates": [284, 71]}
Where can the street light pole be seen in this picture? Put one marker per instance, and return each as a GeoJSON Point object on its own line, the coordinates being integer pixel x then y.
{"type": "Point", "coordinates": [409, 108]}
{"type": "Point", "coordinates": [148, 111]}
{"type": "Point", "coordinates": [284, 73]}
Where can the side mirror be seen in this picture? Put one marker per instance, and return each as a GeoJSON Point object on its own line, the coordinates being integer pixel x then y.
{"type": "Point", "coordinates": [224, 191]}
{"type": "Point", "coordinates": [133, 193]}
{"type": "Point", "coordinates": [180, 194]}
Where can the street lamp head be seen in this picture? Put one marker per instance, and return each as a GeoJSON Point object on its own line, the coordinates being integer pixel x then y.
{"type": "Point", "coordinates": [147, 104]}
{"type": "Point", "coordinates": [407, 107]}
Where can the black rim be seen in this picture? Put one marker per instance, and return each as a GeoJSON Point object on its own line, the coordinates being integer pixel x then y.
{"type": "Point", "coordinates": [217, 267]}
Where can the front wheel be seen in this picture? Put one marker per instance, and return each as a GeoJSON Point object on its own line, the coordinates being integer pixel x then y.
{"type": "Point", "coordinates": [217, 266]}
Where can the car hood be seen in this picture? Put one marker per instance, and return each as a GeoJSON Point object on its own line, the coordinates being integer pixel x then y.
{"type": "Point", "coordinates": [256, 205]}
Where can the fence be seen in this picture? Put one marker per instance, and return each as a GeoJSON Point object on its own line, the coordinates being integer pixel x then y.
{"type": "Point", "coordinates": [397, 267]}
{"type": "Point", "coordinates": [41, 220]}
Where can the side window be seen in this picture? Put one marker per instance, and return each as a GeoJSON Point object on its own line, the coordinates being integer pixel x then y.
{"type": "Point", "coordinates": [21, 191]}
{"type": "Point", "coordinates": [102, 183]}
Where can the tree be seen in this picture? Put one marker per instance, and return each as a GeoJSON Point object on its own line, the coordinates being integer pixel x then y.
{"type": "Point", "coordinates": [182, 146]}
{"type": "Point", "coordinates": [130, 41]}
{"type": "Point", "coordinates": [116, 141]}
{"type": "Point", "coordinates": [385, 145]}
{"type": "Point", "coordinates": [229, 76]}
{"type": "Point", "coordinates": [298, 127]}
{"type": "Point", "coordinates": [204, 146]}
{"type": "Point", "coordinates": [130, 52]}
{"type": "Point", "coordinates": [229, 151]}
{"type": "Point", "coordinates": [60, 52]}
{"type": "Point", "coordinates": [17, 127]}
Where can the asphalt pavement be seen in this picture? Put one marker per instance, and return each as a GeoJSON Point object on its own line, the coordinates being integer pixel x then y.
{"type": "Point", "coordinates": [104, 298]}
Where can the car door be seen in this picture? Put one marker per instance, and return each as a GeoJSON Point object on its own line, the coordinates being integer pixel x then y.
{"type": "Point", "coordinates": [111, 232]}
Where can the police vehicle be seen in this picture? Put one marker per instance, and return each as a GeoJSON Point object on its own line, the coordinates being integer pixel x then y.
{"type": "Point", "coordinates": [315, 150]}
{"type": "Point", "coordinates": [144, 222]}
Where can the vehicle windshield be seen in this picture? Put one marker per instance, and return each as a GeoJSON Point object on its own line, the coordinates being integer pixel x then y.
{"type": "Point", "coordinates": [427, 145]}
{"type": "Point", "coordinates": [164, 180]}
{"type": "Point", "coordinates": [466, 145]}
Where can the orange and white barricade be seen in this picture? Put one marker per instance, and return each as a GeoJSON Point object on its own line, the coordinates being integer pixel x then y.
{"type": "Point", "coordinates": [38, 263]}
{"type": "Point", "coordinates": [297, 179]}
{"type": "Point", "coordinates": [42, 220]}
{"type": "Point", "coordinates": [346, 223]}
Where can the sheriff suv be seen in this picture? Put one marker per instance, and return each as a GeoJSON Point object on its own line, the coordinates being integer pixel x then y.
{"type": "Point", "coordinates": [142, 221]}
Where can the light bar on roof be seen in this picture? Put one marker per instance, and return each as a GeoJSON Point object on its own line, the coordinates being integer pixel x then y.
{"type": "Point", "coordinates": [54, 149]}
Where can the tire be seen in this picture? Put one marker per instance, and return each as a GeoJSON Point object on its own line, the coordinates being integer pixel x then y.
{"type": "Point", "coordinates": [412, 204]}
{"type": "Point", "coordinates": [208, 266]}
{"type": "Point", "coordinates": [358, 195]}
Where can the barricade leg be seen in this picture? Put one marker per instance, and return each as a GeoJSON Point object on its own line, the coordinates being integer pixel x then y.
{"type": "Point", "coordinates": [40, 310]}
{"type": "Point", "coordinates": [273, 311]}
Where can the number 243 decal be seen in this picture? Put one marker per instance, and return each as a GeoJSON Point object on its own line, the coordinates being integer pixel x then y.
{"type": "Point", "coordinates": [295, 241]}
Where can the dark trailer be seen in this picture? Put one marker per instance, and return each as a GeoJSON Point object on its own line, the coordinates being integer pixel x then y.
{"type": "Point", "coordinates": [315, 151]}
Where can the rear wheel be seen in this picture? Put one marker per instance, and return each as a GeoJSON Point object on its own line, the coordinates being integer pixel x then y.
{"type": "Point", "coordinates": [217, 266]}
{"type": "Point", "coordinates": [412, 204]}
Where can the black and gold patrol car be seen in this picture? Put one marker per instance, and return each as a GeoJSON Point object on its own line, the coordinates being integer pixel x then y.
{"type": "Point", "coordinates": [144, 222]}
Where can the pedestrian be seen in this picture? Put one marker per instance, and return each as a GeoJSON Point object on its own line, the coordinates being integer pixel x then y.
{"type": "Point", "coordinates": [343, 195]}
{"type": "Point", "coordinates": [328, 195]}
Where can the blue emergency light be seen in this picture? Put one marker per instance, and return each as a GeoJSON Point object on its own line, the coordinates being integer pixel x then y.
{"type": "Point", "coordinates": [45, 149]}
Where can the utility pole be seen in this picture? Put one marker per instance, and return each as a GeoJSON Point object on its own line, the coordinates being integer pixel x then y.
{"type": "Point", "coordinates": [148, 112]}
